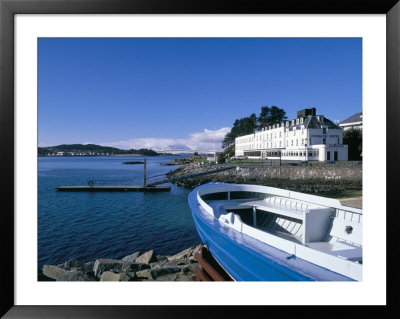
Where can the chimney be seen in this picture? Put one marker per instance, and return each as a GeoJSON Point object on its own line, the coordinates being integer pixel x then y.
{"type": "Point", "coordinates": [306, 112]}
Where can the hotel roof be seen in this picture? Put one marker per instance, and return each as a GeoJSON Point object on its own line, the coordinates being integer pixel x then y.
{"type": "Point", "coordinates": [353, 119]}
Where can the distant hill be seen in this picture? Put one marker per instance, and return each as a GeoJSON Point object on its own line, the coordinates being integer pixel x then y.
{"type": "Point", "coordinates": [89, 150]}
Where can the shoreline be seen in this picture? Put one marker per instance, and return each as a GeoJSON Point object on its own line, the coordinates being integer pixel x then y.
{"type": "Point", "coordinates": [138, 266]}
{"type": "Point", "coordinates": [119, 155]}
{"type": "Point", "coordinates": [331, 180]}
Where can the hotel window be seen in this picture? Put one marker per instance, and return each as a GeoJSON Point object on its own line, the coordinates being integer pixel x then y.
{"type": "Point", "coordinates": [301, 120]}
{"type": "Point", "coordinates": [297, 142]}
{"type": "Point", "coordinates": [302, 130]}
{"type": "Point", "coordinates": [324, 130]}
{"type": "Point", "coordinates": [324, 140]}
{"type": "Point", "coordinates": [310, 141]}
{"type": "Point", "coordinates": [302, 141]}
{"type": "Point", "coordinates": [292, 142]}
{"type": "Point", "coordinates": [280, 133]}
{"type": "Point", "coordinates": [294, 131]}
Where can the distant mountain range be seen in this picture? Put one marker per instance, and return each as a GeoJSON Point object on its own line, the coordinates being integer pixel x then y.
{"type": "Point", "coordinates": [90, 150]}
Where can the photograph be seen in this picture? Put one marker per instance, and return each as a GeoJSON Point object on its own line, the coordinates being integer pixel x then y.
{"type": "Point", "coordinates": [200, 159]}
{"type": "Point", "coordinates": [196, 159]}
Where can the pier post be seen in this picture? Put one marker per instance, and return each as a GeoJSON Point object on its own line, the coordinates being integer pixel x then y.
{"type": "Point", "coordinates": [144, 172]}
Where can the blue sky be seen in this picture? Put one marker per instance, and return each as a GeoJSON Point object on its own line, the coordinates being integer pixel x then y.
{"type": "Point", "coordinates": [185, 92]}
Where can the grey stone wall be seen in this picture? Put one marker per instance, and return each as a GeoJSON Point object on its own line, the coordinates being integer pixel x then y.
{"type": "Point", "coordinates": [309, 178]}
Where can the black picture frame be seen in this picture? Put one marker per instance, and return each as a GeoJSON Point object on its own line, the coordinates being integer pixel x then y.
{"type": "Point", "coordinates": [8, 8]}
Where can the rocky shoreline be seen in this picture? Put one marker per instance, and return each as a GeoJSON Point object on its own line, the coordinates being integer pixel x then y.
{"type": "Point", "coordinates": [301, 178]}
{"type": "Point", "coordinates": [138, 266]}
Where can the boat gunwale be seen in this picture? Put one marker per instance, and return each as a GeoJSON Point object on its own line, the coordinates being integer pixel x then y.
{"type": "Point", "coordinates": [312, 199]}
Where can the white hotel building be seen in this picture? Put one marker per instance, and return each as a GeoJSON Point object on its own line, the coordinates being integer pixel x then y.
{"type": "Point", "coordinates": [309, 137]}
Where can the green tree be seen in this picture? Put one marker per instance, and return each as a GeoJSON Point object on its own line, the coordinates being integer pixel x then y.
{"type": "Point", "coordinates": [270, 115]}
{"type": "Point", "coordinates": [263, 119]}
{"type": "Point", "coordinates": [353, 138]}
{"type": "Point", "coordinates": [277, 115]}
{"type": "Point", "coordinates": [253, 123]}
{"type": "Point", "coordinates": [247, 125]}
{"type": "Point", "coordinates": [243, 126]}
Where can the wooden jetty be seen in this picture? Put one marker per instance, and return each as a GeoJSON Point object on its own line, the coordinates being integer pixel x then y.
{"type": "Point", "coordinates": [146, 187]}
{"type": "Point", "coordinates": [91, 187]}
{"type": "Point", "coordinates": [119, 188]}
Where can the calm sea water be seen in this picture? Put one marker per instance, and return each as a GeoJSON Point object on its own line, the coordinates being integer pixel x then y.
{"type": "Point", "coordinates": [88, 226]}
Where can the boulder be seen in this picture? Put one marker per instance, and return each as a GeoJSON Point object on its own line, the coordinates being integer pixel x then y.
{"type": "Point", "coordinates": [146, 258]}
{"type": "Point", "coordinates": [88, 267]}
{"type": "Point", "coordinates": [124, 277]}
{"type": "Point", "coordinates": [158, 264]}
{"type": "Point", "coordinates": [131, 267]}
{"type": "Point", "coordinates": [76, 276]}
{"type": "Point", "coordinates": [155, 273]}
{"type": "Point", "coordinates": [73, 263]}
{"type": "Point", "coordinates": [53, 271]}
{"type": "Point", "coordinates": [132, 257]}
{"type": "Point", "coordinates": [185, 253]}
{"type": "Point", "coordinates": [176, 262]}
{"type": "Point", "coordinates": [115, 265]}
{"type": "Point", "coordinates": [185, 277]}
{"type": "Point", "coordinates": [102, 265]}
{"type": "Point", "coordinates": [188, 268]}
{"type": "Point", "coordinates": [164, 271]}
{"type": "Point", "coordinates": [161, 258]}
{"type": "Point", "coordinates": [147, 274]}
{"type": "Point", "coordinates": [172, 277]}
{"type": "Point", "coordinates": [110, 276]}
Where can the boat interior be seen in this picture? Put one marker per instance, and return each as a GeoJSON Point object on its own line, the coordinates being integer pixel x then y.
{"type": "Point", "coordinates": [335, 231]}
